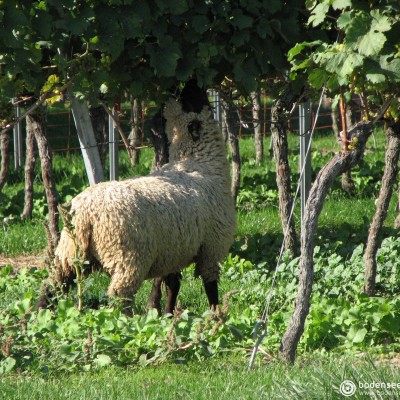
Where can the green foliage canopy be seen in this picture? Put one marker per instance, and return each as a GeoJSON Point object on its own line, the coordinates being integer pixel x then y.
{"type": "Point", "coordinates": [109, 46]}
{"type": "Point", "coordinates": [364, 58]}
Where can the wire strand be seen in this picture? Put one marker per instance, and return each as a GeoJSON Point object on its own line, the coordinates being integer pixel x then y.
{"type": "Point", "coordinates": [263, 322]}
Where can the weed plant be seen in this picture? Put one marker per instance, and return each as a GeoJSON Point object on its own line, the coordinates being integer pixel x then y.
{"type": "Point", "coordinates": [101, 340]}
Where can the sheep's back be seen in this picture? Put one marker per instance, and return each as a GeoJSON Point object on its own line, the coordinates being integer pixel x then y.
{"type": "Point", "coordinates": [155, 223]}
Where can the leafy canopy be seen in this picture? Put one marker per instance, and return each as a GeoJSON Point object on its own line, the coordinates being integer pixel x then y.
{"type": "Point", "coordinates": [110, 46]}
{"type": "Point", "coordinates": [364, 55]}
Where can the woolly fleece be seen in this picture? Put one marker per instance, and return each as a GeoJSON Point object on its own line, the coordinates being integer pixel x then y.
{"type": "Point", "coordinates": [151, 226]}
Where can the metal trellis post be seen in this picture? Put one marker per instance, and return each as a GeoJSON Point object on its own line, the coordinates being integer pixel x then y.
{"type": "Point", "coordinates": [305, 158]}
{"type": "Point", "coordinates": [17, 134]}
{"type": "Point", "coordinates": [216, 107]}
{"type": "Point", "coordinates": [113, 148]}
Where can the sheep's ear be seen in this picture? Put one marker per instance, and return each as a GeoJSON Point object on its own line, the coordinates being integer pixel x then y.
{"type": "Point", "coordinates": [172, 110]}
{"type": "Point", "coordinates": [206, 113]}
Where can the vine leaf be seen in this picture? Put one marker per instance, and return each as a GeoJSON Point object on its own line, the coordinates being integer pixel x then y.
{"type": "Point", "coordinates": [319, 13]}
{"type": "Point", "coordinates": [340, 4]}
{"type": "Point", "coordinates": [7, 365]}
{"type": "Point", "coordinates": [371, 43]}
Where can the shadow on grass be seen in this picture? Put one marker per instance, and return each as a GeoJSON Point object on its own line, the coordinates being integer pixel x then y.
{"type": "Point", "coordinates": [342, 238]}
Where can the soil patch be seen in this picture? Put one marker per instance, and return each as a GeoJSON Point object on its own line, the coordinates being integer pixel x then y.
{"type": "Point", "coordinates": [22, 261]}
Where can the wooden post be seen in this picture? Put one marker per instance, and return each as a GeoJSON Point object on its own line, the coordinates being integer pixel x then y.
{"type": "Point", "coordinates": [87, 140]}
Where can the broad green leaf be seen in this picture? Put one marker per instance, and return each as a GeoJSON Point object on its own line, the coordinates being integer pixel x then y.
{"type": "Point", "coordinates": [297, 49]}
{"type": "Point", "coordinates": [357, 335]}
{"type": "Point", "coordinates": [391, 67]}
{"type": "Point", "coordinates": [351, 62]}
{"type": "Point", "coordinates": [359, 26]}
{"type": "Point", "coordinates": [375, 78]}
{"type": "Point", "coordinates": [143, 360]}
{"type": "Point", "coordinates": [200, 23]}
{"type": "Point", "coordinates": [332, 61]}
{"type": "Point", "coordinates": [187, 64]}
{"type": "Point", "coordinates": [390, 323]}
{"type": "Point", "coordinates": [7, 365]}
{"type": "Point", "coordinates": [344, 19]}
{"type": "Point", "coordinates": [340, 4]}
{"type": "Point", "coordinates": [164, 57]}
{"type": "Point", "coordinates": [66, 350]}
{"type": "Point", "coordinates": [319, 13]}
{"type": "Point", "coordinates": [7, 270]}
{"type": "Point", "coordinates": [131, 24]}
{"type": "Point", "coordinates": [264, 29]}
{"type": "Point", "coordinates": [372, 43]}
{"type": "Point", "coordinates": [43, 318]}
{"type": "Point", "coordinates": [24, 305]}
{"type": "Point", "coordinates": [177, 7]}
{"type": "Point", "coordinates": [245, 73]}
{"type": "Point", "coordinates": [102, 360]}
{"type": "Point", "coordinates": [42, 22]}
{"type": "Point", "coordinates": [380, 23]}
{"type": "Point", "coordinates": [240, 38]}
{"type": "Point", "coordinates": [318, 77]}
{"type": "Point", "coordinates": [241, 20]}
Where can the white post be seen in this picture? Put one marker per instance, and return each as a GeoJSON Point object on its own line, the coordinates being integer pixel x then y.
{"type": "Point", "coordinates": [113, 148]}
{"type": "Point", "coordinates": [215, 104]}
{"type": "Point", "coordinates": [305, 158]}
{"type": "Point", "coordinates": [17, 133]}
{"type": "Point", "coordinates": [87, 140]}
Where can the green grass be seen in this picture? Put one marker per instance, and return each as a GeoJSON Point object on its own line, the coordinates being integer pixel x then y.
{"type": "Point", "coordinates": [317, 374]}
{"type": "Point", "coordinates": [260, 219]}
{"type": "Point", "coordinates": [314, 377]}
{"type": "Point", "coordinates": [18, 238]}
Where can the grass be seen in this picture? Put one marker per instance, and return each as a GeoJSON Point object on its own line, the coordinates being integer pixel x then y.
{"type": "Point", "coordinates": [70, 177]}
{"type": "Point", "coordinates": [317, 374]}
{"type": "Point", "coordinates": [313, 377]}
{"type": "Point", "coordinates": [22, 238]}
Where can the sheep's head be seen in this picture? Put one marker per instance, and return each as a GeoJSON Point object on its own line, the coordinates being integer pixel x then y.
{"type": "Point", "coordinates": [184, 128]}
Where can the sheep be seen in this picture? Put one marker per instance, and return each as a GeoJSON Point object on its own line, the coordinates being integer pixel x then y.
{"type": "Point", "coordinates": [152, 226]}
{"type": "Point", "coordinates": [193, 98]}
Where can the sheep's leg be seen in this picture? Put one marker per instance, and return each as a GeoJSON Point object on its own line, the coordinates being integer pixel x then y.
{"type": "Point", "coordinates": [155, 295]}
{"type": "Point", "coordinates": [125, 282]}
{"type": "Point", "coordinates": [209, 272]}
{"type": "Point", "coordinates": [173, 284]}
{"type": "Point", "coordinates": [211, 289]}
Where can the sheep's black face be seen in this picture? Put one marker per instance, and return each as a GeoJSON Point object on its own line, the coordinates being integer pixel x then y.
{"type": "Point", "coordinates": [194, 128]}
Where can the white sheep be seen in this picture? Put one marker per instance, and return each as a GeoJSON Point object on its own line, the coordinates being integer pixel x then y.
{"type": "Point", "coordinates": [156, 225]}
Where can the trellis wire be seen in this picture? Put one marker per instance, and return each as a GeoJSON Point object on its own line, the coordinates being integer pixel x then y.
{"type": "Point", "coordinates": [264, 319]}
